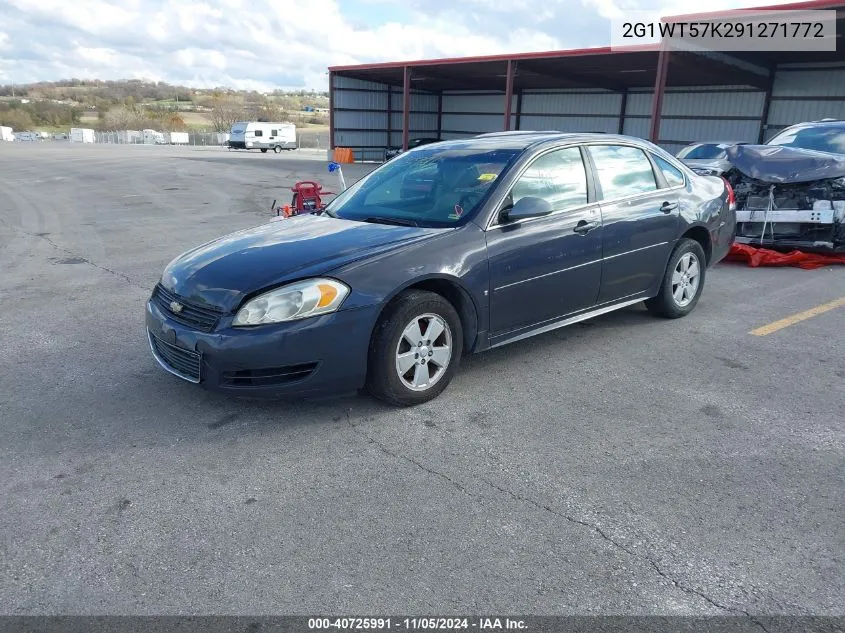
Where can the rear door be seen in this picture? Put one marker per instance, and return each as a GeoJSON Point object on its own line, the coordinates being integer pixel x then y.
{"type": "Point", "coordinates": [641, 219]}
{"type": "Point", "coordinates": [544, 268]}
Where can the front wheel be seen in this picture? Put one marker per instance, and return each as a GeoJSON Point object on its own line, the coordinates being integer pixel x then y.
{"type": "Point", "coordinates": [682, 283]}
{"type": "Point", "coordinates": [415, 350]}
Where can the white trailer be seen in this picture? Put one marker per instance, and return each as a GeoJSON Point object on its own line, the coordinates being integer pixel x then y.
{"type": "Point", "coordinates": [178, 138]}
{"type": "Point", "coordinates": [264, 136]}
{"type": "Point", "coordinates": [6, 133]}
{"type": "Point", "coordinates": [81, 135]}
{"type": "Point", "coordinates": [152, 137]}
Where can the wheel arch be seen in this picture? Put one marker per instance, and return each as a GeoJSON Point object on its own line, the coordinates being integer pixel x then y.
{"type": "Point", "coordinates": [451, 289]}
{"type": "Point", "coordinates": [701, 234]}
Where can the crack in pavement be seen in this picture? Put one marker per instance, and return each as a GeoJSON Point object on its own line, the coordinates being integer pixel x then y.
{"type": "Point", "coordinates": [575, 521]}
{"type": "Point", "coordinates": [85, 260]}
{"type": "Point", "coordinates": [387, 451]}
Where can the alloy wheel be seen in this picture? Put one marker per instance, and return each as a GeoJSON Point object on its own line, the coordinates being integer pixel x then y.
{"type": "Point", "coordinates": [685, 279]}
{"type": "Point", "coordinates": [424, 352]}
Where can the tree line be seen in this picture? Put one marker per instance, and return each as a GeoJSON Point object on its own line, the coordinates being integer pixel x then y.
{"type": "Point", "coordinates": [26, 116]}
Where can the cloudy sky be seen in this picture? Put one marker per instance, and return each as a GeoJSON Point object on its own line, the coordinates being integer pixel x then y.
{"type": "Point", "coordinates": [268, 44]}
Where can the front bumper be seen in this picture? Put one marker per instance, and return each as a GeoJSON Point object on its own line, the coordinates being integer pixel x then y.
{"type": "Point", "coordinates": [315, 356]}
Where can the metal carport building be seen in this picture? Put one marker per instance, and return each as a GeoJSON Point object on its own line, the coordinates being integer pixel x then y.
{"type": "Point", "coordinates": [738, 96]}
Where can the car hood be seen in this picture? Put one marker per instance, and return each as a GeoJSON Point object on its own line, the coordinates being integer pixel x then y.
{"type": "Point", "coordinates": [221, 273]}
{"type": "Point", "coordinates": [780, 164]}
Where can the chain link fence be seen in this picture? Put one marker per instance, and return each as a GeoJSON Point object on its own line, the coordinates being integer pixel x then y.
{"type": "Point", "coordinates": [305, 138]}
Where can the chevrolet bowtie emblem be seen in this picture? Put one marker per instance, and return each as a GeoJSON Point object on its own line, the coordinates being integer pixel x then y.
{"type": "Point", "coordinates": [176, 307]}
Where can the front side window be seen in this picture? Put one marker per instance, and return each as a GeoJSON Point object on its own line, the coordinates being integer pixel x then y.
{"type": "Point", "coordinates": [559, 177]}
{"type": "Point", "coordinates": [259, 132]}
{"type": "Point", "coordinates": [622, 171]}
{"type": "Point", "coordinates": [428, 186]}
{"type": "Point", "coordinates": [274, 132]}
{"type": "Point", "coordinates": [672, 174]}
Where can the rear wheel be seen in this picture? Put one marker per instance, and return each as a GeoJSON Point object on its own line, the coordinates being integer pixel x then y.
{"type": "Point", "coordinates": [263, 150]}
{"type": "Point", "coordinates": [683, 281]}
{"type": "Point", "coordinates": [276, 149]}
{"type": "Point", "coordinates": [415, 349]}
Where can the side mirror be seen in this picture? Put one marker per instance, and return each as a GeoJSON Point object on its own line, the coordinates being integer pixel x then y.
{"type": "Point", "coordinates": [529, 207]}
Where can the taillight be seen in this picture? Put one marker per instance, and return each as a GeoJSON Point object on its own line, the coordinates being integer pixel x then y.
{"type": "Point", "coordinates": [731, 195]}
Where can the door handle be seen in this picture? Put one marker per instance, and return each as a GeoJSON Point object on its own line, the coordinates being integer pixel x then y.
{"type": "Point", "coordinates": [585, 227]}
{"type": "Point", "coordinates": [668, 207]}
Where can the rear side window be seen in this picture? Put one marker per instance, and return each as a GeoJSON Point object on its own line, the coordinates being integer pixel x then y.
{"type": "Point", "coordinates": [672, 174]}
{"type": "Point", "coordinates": [274, 132]}
{"type": "Point", "coordinates": [622, 171]}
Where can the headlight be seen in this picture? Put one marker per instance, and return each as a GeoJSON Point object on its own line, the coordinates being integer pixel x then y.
{"type": "Point", "coordinates": [295, 301]}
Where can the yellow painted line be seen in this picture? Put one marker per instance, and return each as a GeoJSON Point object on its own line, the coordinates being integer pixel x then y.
{"type": "Point", "coordinates": [797, 318]}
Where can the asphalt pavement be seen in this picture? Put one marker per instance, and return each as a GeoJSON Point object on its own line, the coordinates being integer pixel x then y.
{"type": "Point", "coordinates": [626, 465]}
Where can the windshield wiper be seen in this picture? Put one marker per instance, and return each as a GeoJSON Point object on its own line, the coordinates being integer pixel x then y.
{"type": "Point", "coordinates": [396, 221]}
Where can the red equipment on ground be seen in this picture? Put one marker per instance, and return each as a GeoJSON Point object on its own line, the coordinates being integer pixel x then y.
{"type": "Point", "coordinates": [307, 198]}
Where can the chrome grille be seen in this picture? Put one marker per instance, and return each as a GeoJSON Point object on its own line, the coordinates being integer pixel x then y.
{"type": "Point", "coordinates": [192, 315]}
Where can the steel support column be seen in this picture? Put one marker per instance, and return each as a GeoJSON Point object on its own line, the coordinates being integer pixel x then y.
{"type": "Point", "coordinates": [623, 107]}
{"type": "Point", "coordinates": [389, 115]}
{"type": "Point", "coordinates": [659, 88]}
{"type": "Point", "coordinates": [509, 93]}
{"type": "Point", "coordinates": [406, 108]}
{"type": "Point", "coordinates": [331, 110]}
{"type": "Point", "coordinates": [767, 101]}
{"type": "Point", "coordinates": [439, 114]}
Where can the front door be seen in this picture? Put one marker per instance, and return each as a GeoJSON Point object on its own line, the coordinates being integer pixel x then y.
{"type": "Point", "coordinates": [544, 268]}
{"type": "Point", "coordinates": [641, 220]}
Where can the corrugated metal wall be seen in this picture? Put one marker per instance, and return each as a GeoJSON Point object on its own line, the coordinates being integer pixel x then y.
{"type": "Point", "coordinates": [801, 94]}
{"type": "Point", "coordinates": [731, 113]}
{"type": "Point", "coordinates": [368, 116]}
{"type": "Point", "coordinates": [467, 113]}
{"type": "Point", "coordinates": [698, 113]}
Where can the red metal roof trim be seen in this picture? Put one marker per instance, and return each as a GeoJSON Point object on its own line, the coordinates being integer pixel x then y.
{"type": "Point", "coordinates": [578, 52]}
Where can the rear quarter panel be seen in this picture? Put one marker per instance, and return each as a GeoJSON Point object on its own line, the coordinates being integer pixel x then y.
{"type": "Point", "coordinates": [705, 204]}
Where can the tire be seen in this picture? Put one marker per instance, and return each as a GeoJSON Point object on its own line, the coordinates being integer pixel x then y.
{"type": "Point", "coordinates": [388, 342]}
{"type": "Point", "coordinates": [263, 150]}
{"type": "Point", "coordinates": [667, 304]}
{"type": "Point", "coordinates": [276, 149]}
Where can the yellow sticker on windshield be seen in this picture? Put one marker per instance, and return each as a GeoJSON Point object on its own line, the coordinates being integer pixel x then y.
{"type": "Point", "coordinates": [487, 177]}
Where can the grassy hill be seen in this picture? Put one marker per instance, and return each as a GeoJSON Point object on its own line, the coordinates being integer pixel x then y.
{"type": "Point", "coordinates": [136, 104]}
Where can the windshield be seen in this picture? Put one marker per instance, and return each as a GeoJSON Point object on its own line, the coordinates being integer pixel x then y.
{"type": "Point", "coordinates": [432, 186]}
{"type": "Point", "coordinates": [823, 138]}
{"type": "Point", "coordinates": [703, 152]}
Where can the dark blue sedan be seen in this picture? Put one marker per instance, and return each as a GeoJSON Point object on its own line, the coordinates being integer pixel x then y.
{"type": "Point", "coordinates": [451, 248]}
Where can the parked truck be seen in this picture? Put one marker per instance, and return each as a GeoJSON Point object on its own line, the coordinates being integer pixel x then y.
{"type": "Point", "coordinates": [153, 137]}
{"type": "Point", "coordinates": [263, 136]}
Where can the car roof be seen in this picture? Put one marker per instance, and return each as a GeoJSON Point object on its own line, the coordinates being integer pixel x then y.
{"type": "Point", "coordinates": [836, 123]}
{"type": "Point", "coordinates": [524, 139]}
